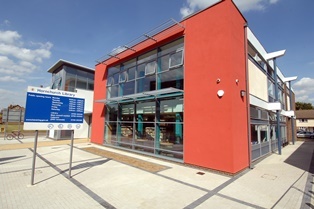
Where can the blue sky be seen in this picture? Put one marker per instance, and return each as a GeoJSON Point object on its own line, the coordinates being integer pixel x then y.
{"type": "Point", "coordinates": [35, 34]}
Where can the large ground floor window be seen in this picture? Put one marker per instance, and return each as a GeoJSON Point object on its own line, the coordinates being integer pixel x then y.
{"type": "Point", "coordinates": [264, 139]}
{"type": "Point", "coordinates": [152, 126]}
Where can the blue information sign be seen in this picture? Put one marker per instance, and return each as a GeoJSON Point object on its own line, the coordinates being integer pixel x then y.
{"type": "Point", "coordinates": [48, 109]}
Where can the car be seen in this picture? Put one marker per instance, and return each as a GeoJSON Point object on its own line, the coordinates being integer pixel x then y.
{"type": "Point", "coordinates": [305, 134]}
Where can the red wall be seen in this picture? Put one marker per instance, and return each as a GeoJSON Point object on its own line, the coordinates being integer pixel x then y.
{"type": "Point", "coordinates": [215, 129]}
{"type": "Point", "coordinates": [98, 120]}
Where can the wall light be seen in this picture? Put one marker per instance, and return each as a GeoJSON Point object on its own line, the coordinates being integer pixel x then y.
{"type": "Point", "coordinates": [220, 93]}
{"type": "Point", "coordinates": [242, 93]}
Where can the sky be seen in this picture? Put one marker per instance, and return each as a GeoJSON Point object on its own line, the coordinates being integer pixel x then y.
{"type": "Point", "coordinates": [35, 34]}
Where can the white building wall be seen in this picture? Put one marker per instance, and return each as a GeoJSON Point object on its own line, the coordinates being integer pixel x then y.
{"type": "Point", "coordinates": [309, 123]}
{"type": "Point", "coordinates": [257, 82]}
{"type": "Point", "coordinates": [88, 109]}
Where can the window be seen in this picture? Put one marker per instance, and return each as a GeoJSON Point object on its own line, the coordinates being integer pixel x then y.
{"type": "Point", "coordinates": [57, 83]}
{"type": "Point", "coordinates": [110, 81]}
{"type": "Point", "coordinates": [303, 120]}
{"type": "Point", "coordinates": [131, 73]}
{"type": "Point", "coordinates": [176, 59]}
{"type": "Point", "coordinates": [140, 71]}
{"type": "Point", "coordinates": [150, 68]}
{"type": "Point", "coordinates": [123, 77]}
{"type": "Point", "coordinates": [113, 70]}
{"type": "Point", "coordinates": [157, 69]}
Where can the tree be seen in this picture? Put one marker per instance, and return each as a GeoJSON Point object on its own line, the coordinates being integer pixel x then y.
{"type": "Point", "coordinates": [303, 106]}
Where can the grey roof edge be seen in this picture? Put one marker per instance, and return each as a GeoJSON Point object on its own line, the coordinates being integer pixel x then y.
{"type": "Point", "coordinates": [61, 62]}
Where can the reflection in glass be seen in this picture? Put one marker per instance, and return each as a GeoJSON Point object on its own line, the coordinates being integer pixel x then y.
{"type": "Point", "coordinates": [111, 112]}
{"type": "Point", "coordinates": [123, 77]}
{"type": "Point", "coordinates": [172, 78]}
{"type": "Point", "coordinates": [263, 133]}
{"type": "Point", "coordinates": [254, 134]}
{"type": "Point", "coordinates": [150, 68]}
{"type": "Point", "coordinates": [131, 73]}
{"type": "Point", "coordinates": [146, 84]}
{"type": "Point", "coordinates": [140, 71]}
{"type": "Point", "coordinates": [126, 135]}
{"type": "Point", "coordinates": [127, 112]}
{"type": "Point", "coordinates": [112, 91]}
{"type": "Point", "coordinates": [128, 88]}
{"type": "Point", "coordinates": [111, 133]}
{"type": "Point", "coordinates": [176, 59]}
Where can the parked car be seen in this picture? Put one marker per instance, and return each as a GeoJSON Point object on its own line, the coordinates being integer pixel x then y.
{"type": "Point", "coordinates": [305, 134]}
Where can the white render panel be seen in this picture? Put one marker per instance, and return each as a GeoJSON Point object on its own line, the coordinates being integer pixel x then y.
{"type": "Point", "coordinates": [258, 102]}
{"type": "Point", "coordinates": [84, 131]}
{"type": "Point", "coordinates": [88, 95]}
{"type": "Point", "coordinates": [288, 103]}
{"type": "Point", "coordinates": [259, 47]}
{"type": "Point", "coordinates": [309, 123]}
{"type": "Point", "coordinates": [274, 106]}
{"type": "Point", "coordinates": [257, 82]}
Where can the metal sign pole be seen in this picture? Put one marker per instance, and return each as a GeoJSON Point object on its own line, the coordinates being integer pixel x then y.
{"type": "Point", "coordinates": [20, 119]}
{"type": "Point", "coordinates": [34, 157]}
{"type": "Point", "coordinates": [6, 124]}
{"type": "Point", "coordinates": [71, 152]}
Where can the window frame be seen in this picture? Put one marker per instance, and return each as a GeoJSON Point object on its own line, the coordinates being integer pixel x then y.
{"type": "Point", "coordinates": [154, 69]}
{"type": "Point", "coordinates": [112, 81]}
{"type": "Point", "coordinates": [125, 77]}
{"type": "Point", "coordinates": [181, 49]}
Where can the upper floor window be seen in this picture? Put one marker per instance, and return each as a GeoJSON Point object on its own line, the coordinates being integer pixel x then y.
{"type": "Point", "coordinates": [303, 120]}
{"type": "Point", "coordinates": [150, 68]}
{"type": "Point", "coordinates": [110, 81]}
{"type": "Point", "coordinates": [176, 59]}
{"type": "Point", "coordinates": [123, 77]}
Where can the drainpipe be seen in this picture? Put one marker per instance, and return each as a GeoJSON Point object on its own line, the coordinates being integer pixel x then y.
{"type": "Point", "coordinates": [247, 98]}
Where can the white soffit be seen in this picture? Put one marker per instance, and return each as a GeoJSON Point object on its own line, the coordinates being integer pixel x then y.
{"type": "Point", "coordinates": [265, 105]}
{"type": "Point", "coordinates": [273, 55]}
{"type": "Point", "coordinates": [289, 113]}
{"type": "Point", "coordinates": [290, 79]}
{"type": "Point", "coordinates": [274, 106]}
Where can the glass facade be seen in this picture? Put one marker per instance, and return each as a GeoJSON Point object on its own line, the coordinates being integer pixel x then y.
{"type": "Point", "coordinates": [263, 132]}
{"type": "Point", "coordinates": [264, 136]}
{"type": "Point", "coordinates": [67, 78]}
{"type": "Point", "coordinates": [151, 123]}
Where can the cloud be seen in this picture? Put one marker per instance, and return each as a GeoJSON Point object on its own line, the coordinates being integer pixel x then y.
{"type": "Point", "coordinates": [18, 58]}
{"type": "Point", "coordinates": [7, 97]}
{"type": "Point", "coordinates": [195, 5]}
{"type": "Point", "coordinates": [11, 79]}
{"type": "Point", "coordinates": [304, 90]}
{"type": "Point", "coordinates": [5, 23]}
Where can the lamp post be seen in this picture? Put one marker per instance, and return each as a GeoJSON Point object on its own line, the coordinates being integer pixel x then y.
{"type": "Point", "coordinates": [273, 56]}
{"type": "Point", "coordinates": [291, 107]}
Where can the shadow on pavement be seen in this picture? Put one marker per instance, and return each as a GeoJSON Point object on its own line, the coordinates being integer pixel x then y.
{"type": "Point", "coordinates": [86, 165]}
{"type": "Point", "coordinates": [10, 158]}
{"type": "Point", "coordinates": [303, 157]}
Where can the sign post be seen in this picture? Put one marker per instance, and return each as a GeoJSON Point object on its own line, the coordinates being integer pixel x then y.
{"type": "Point", "coordinates": [48, 109]}
{"type": "Point", "coordinates": [71, 153]}
{"type": "Point", "coordinates": [34, 157]}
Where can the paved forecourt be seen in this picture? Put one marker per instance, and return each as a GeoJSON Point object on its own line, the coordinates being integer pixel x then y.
{"type": "Point", "coordinates": [279, 181]}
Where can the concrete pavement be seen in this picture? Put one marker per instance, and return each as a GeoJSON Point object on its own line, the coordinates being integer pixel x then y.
{"type": "Point", "coordinates": [278, 181]}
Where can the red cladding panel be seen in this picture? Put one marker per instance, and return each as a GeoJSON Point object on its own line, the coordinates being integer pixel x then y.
{"type": "Point", "coordinates": [215, 129]}
{"type": "Point", "coordinates": [98, 120]}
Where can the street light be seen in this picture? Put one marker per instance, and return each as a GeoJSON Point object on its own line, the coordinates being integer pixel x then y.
{"type": "Point", "coordinates": [289, 79]}
{"type": "Point", "coordinates": [273, 56]}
